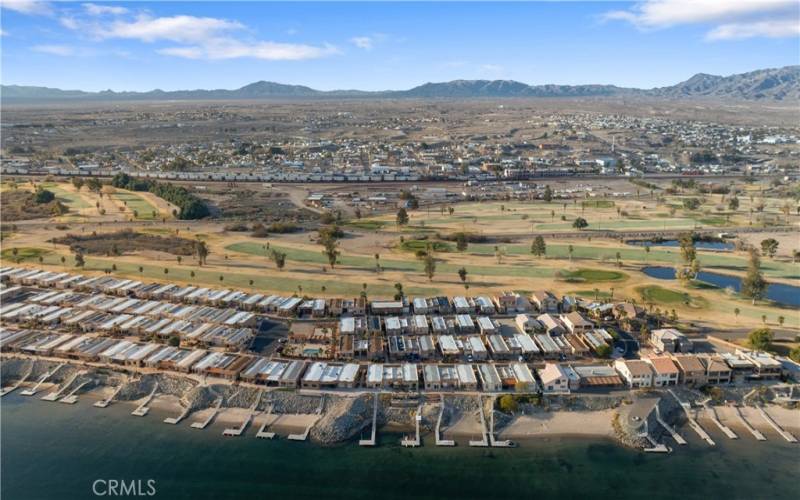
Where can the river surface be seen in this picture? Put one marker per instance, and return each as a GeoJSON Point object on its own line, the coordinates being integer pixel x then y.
{"type": "Point", "coordinates": [788, 295]}
{"type": "Point", "coordinates": [52, 450]}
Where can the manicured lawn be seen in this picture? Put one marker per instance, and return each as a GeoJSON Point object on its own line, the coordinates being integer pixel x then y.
{"type": "Point", "coordinates": [144, 210]}
{"type": "Point", "coordinates": [592, 275]}
{"type": "Point", "coordinates": [23, 254]}
{"type": "Point", "coordinates": [367, 225]}
{"type": "Point", "coordinates": [667, 296]}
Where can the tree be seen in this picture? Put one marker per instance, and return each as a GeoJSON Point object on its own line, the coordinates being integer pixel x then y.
{"type": "Point", "coordinates": [462, 274]}
{"type": "Point", "coordinates": [736, 313]}
{"type": "Point", "coordinates": [279, 258]}
{"type": "Point", "coordinates": [694, 269]}
{"type": "Point", "coordinates": [781, 320]}
{"type": "Point", "coordinates": [451, 210]}
{"type": "Point", "coordinates": [201, 250]}
{"type": "Point", "coordinates": [330, 250]}
{"type": "Point", "coordinates": [507, 404]}
{"type": "Point", "coordinates": [794, 354]}
{"type": "Point", "coordinates": [760, 339]}
{"type": "Point", "coordinates": [570, 249]}
{"type": "Point", "coordinates": [77, 182]}
{"type": "Point", "coordinates": [603, 351]}
{"type": "Point", "coordinates": [538, 246]}
{"type": "Point", "coordinates": [688, 250]}
{"type": "Point", "coordinates": [733, 203]}
{"type": "Point", "coordinates": [43, 196]}
{"type": "Point", "coordinates": [548, 194]}
{"type": "Point", "coordinates": [462, 242]}
{"type": "Point", "coordinates": [79, 260]}
{"type": "Point", "coordinates": [646, 253]}
{"type": "Point", "coordinates": [430, 266]}
{"type": "Point", "coordinates": [691, 203]}
{"type": "Point", "coordinates": [753, 284]}
{"type": "Point", "coordinates": [769, 247]}
{"type": "Point", "coordinates": [402, 217]}
{"type": "Point", "coordinates": [580, 223]}
{"type": "Point", "coordinates": [174, 341]}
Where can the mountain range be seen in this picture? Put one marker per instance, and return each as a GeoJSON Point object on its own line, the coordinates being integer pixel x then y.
{"type": "Point", "coordinates": [776, 84]}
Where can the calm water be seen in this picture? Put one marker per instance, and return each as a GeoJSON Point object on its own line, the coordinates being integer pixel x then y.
{"type": "Point", "coordinates": [51, 450]}
{"type": "Point", "coordinates": [779, 292]}
{"type": "Point", "coordinates": [701, 245]}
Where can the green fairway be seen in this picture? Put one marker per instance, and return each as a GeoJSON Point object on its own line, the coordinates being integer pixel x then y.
{"type": "Point", "coordinates": [73, 201]}
{"type": "Point", "coordinates": [417, 245]}
{"type": "Point", "coordinates": [591, 276]}
{"type": "Point", "coordinates": [366, 224]}
{"type": "Point", "coordinates": [667, 296]}
{"type": "Point", "coordinates": [591, 294]}
{"type": "Point", "coordinates": [144, 209]}
{"type": "Point", "coordinates": [604, 225]}
{"type": "Point", "coordinates": [23, 254]}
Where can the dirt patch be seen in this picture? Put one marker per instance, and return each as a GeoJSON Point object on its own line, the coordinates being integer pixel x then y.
{"type": "Point", "coordinates": [264, 206]}
{"type": "Point", "coordinates": [121, 242]}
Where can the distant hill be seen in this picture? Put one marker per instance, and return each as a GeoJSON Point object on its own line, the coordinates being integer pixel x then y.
{"type": "Point", "coordinates": [766, 84]}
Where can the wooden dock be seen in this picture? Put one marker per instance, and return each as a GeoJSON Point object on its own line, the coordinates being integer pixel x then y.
{"type": "Point", "coordinates": [12, 388]}
{"type": "Point", "coordinates": [238, 431]}
{"type": "Point", "coordinates": [408, 441]}
{"type": "Point", "coordinates": [483, 441]}
{"type": "Point", "coordinates": [143, 409]}
{"type": "Point", "coordinates": [53, 396]}
{"type": "Point", "coordinates": [438, 431]}
{"type": "Point", "coordinates": [371, 440]}
{"type": "Point", "coordinates": [784, 434]}
{"type": "Point", "coordinates": [304, 435]}
{"type": "Point", "coordinates": [714, 418]}
{"type": "Point", "coordinates": [672, 432]}
{"type": "Point", "coordinates": [692, 421]}
{"type": "Point", "coordinates": [755, 432]}
{"type": "Point", "coordinates": [206, 422]}
{"type": "Point", "coordinates": [176, 420]}
{"type": "Point", "coordinates": [72, 397]}
{"type": "Point", "coordinates": [263, 433]}
{"type": "Point", "coordinates": [103, 403]}
{"type": "Point", "coordinates": [32, 391]}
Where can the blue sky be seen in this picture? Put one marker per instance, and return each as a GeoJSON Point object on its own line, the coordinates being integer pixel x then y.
{"type": "Point", "coordinates": [372, 46]}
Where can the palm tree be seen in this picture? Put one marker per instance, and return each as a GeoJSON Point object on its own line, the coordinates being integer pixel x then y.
{"type": "Point", "coordinates": [736, 312]}
{"type": "Point", "coordinates": [570, 249]}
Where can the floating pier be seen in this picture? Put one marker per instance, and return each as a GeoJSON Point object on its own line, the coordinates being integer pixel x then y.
{"type": "Point", "coordinates": [304, 435]}
{"type": "Point", "coordinates": [32, 391]}
{"type": "Point", "coordinates": [103, 403]}
{"type": "Point", "coordinates": [503, 443]}
{"type": "Point", "coordinates": [12, 388]}
{"type": "Point", "coordinates": [755, 432]}
{"type": "Point", "coordinates": [437, 433]}
{"type": "Point", "coordinates": [175, 420]}
{"type": "Point", "coordinates": [238, 431]}
{"type": "Point", "coordinates": [413, 443]}
{"type": "Point", "coordinates": [262, 431]}
{"type": "Point", "coordinates": [483, 442]}
{"type": "Point", "coordinates": [143, 409]}
{"type": "Point", "coordinates": [784, 434]}
{"type": "Point", "coordinates": [53, 396]}
{"type": "Point", "coordinates": [692, 421]}
{"type": "Point", "coordinates": [714, 418]}
{"type": "Point", "coordinates": [72, 397]}
{"type": "Point", "coordinates": [371, 440]}
{"type": "Point", "coordinates": [672, 432]}
{"type": "Point", "coordinates": [206, 422]}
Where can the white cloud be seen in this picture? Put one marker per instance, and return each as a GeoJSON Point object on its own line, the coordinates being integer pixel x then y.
{"type": "Point", "coordinates": [362, 42]}
{"type": "Point", "coordinates": [228, 48]}
{"type": "Point", "coordinates": [94, 9]}
{"type": "Point", "coordinates": [768, 29]}
{"type": "Point", "coordinates": [56, 50]}
{"type": "Point", "coordinates": [30, 7]}
{"type": "Point", "coordinates": [732, 18]}
{"type": "Point", "coordinates": [182, 29]}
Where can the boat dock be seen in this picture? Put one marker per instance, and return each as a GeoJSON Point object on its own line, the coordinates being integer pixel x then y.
{"type": "Point", "coordinates": [103, 403]}
{"type": "Point", "coordinates": [175, 420]}
{"type": "Point", "coordinates": [206, 422]}
{"type": "Point", "coordinates": [143, 409]}
{"type": "Point", "coordinates": [262, 431]}
{"type": "Point", "coordinates": [32, 391]}
{"type": "Point", "coordinates": [72, 398]}
{"type": "Point", "coordinates": [413, 443]}
{"type": "Point", "coordinates": [712, 413]}
{"type": "Point", "coordinates": [755, 432]}
{"type": "Point", "coordinates": [53, 396]}
{"type": "Point", "coordinates": [437, 433]}
{"type": "Point", "coordinates": [238, 431]}
{"type": "Point", "coordinates": [504, 443]}
{"type": "Point", "coordinates": [784, 434]}
{"type": "Point", "coordinates": [687, 408]}
{"type": "Point", "coordinates": [12, 388]}
{"type": "Point", "coordinates": [672, 432]}
{"type": "Point", "coordinates": [484, 441]}
{"type": "Point", "coordinates": [304, 435]}
{"type": "Point", "coordinates": [371, 440]}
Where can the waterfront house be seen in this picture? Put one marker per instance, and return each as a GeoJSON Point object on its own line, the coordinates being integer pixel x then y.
{"type": "Point", "coordinates": [636, 373]}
